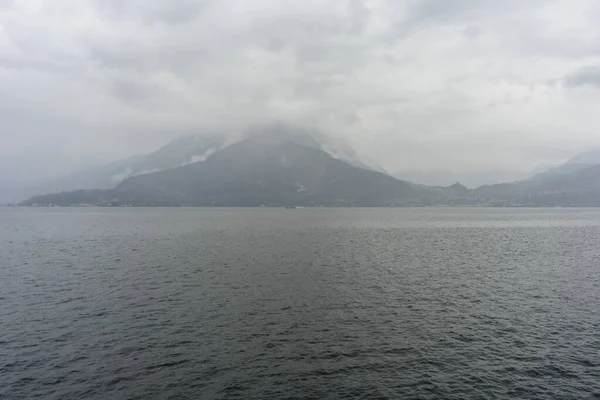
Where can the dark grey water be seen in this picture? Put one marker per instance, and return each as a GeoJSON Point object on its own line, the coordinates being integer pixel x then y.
{"type": "Point", "coordinates": [305, 303]}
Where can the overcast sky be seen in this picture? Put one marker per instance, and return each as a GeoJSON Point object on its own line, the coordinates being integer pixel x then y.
{"type": "Point", "coordinates": [460, 84]}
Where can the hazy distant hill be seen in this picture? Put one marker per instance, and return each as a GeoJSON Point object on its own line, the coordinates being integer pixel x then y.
{"type": "Point", "coordinates": [182, 151]}
{"type": "Point", "coordinates": [580, 187]}
{"type": "Point", "coordinates": [278, 165]}
{"type": "Point", "coordinates": [267, 170]}
{"type": "Point", "coordinates": [469, 179]}
{"type": "Point", "coordinates": [577, 163]}
{"type": "Point", "coordinates": [561, 170]}
{"type": "Point", "coordinates": [334, 146]}
{"type": "Point", "coordinates": [263, 169]}
{"type": "Point", "coordinates": [591, 157]}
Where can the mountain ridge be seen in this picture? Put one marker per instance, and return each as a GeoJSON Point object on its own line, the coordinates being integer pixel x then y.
{"type": "Point", "coordinates": [277, 166]}
{"type": "Point", "coordinates": [185, 150]}
{"type": "Point", "coordinates": [254, 172]}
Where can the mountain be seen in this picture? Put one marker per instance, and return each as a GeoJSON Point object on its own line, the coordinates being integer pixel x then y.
{"type": "Point", "coordinates": [182, 151]}
{"type": "Point", "coordinates": [591, 157]}
{"type": "Point", "coordinates": [560, 170]}
{"type": "Point", "coordinates": [251, 173]}
{"type": "Point", "coordinates": [334, 146]}
{"type": "Point", "coordinates": [577, 163]}
{"type": "Point", "coordinates": [457, 189]}
{"type": "Point", "coordinates": [265, 168]}
{"type": "Point", "coordinates": [580, 188]}
{"type": "Point", "coordinates": [278, 165]}
{"type": "Point", "coordinates": [470, 179]}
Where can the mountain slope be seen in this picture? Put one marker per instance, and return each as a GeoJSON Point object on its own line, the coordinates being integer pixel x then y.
{"type": "Point", "coordinates": [577, 163]}
{"type": "Point", "coordinates": [469, 179]}
{"type": "Point", "coordinates": [256, 171]}
{"type": "Point", "coordinates": [186, 150]}
{"type": "Point", "coordinates": [578, 188]}
{"type": "Point", "coordinates": [181, 151]}
{"type": "Point", "coordinates": [261, 170]}
{"type": "Point", "coordinates": [335, 147]}
{"type": "Point", "coordinates": [561, 170]}
{"type": "Point", "coordinates": [591, 157]}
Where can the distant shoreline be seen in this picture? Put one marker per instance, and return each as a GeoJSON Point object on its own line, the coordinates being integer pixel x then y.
{"type": "Point", "coordinates": [309, 207]}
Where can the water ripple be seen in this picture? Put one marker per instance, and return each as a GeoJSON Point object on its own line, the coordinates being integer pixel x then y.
{"type": "Point", "coordinates": [302, 304]}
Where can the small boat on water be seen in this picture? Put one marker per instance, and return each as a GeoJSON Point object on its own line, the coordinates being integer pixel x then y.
{"type": "Point", "coordinates": [290, 207]}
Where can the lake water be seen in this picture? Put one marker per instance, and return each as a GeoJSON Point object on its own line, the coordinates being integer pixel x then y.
{"type": "Point", "coordinates": [304, 303]}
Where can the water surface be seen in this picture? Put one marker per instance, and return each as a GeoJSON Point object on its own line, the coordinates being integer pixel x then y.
{"type": "Point", "coordinates": [303, 303]}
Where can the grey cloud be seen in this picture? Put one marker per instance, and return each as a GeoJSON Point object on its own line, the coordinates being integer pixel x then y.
{"type": "Point", "coordinates": [38, 65]}
{"type": "Point", "coordinates": [359, 16]}
{"type": "Point", "coordinates": [6, 4]}
{"type": "Point", "coordinates": [522, 25]}
{"type": "Point", "coordinates": [463, 11]}
{"type": "Point", "coordinates": [179, 12]}
{"type": "Point", "coordinates": [404, 81]}
{"type": "Point", "coordinates": [174, 12]}
{"type": "Point", "coordinates": [587, 76]}
{"type": "Point", "coordinates": [441, 10]}
{"type": "Point", "coordinates": [131, 91]}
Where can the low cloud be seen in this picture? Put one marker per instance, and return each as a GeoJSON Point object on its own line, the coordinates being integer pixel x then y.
{"type": "Point", "coordinates": [418, 84]}
{"type": "Point", "coordinates": [587, 76]}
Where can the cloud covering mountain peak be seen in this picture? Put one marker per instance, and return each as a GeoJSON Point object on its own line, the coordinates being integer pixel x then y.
{"type": "Point", "coordinates": [425, 84]}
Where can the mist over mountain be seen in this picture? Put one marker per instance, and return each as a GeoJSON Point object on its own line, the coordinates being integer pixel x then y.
{"type": "Point", "coordinates": [181, 151]}
{"type": "Point", "coordinates": [469, 179]}
{"type": "Point", "coordinates": [579, 162]}
{"type": "Point", "coordinates": [268, 167]}
{"type": "Point", "coordinates": [579, 187]}
{"type": "Point", "coordinates": [430, 85]}
{"type": "Point", "coordinates": [263, 170]}
{"type": "Point", "coordinates": [281, 164]}
{"type": "Point", "coordinates": [334, 146]}
{"type": "Point", "coordinates": [591, 157]}
{"type": "Point", "coordinates": [559, 171]}
{"type": "Point", "coordinates": [185, 150]}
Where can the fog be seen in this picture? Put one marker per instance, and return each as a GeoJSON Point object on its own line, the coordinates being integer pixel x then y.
{"type": "Point", "coordinates": [463, 85]}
